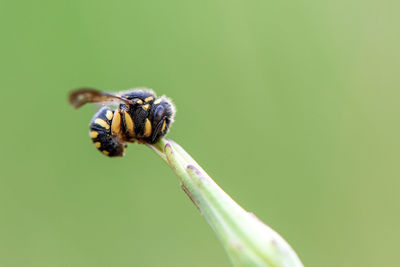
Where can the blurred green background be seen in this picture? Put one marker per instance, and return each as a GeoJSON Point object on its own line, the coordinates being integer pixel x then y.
{"type": "Point", "coordinates": [291, 106]}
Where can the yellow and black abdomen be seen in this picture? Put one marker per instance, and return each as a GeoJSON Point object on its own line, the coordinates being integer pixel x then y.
{"type": "Point", "coordinates": [101, 134]}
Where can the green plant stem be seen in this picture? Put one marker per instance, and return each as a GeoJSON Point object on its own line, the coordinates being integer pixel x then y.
{"type": "Point", "coordinates": [247, 240]}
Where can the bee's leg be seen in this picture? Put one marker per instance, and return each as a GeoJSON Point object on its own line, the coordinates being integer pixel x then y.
{"type": "Point", "coordinates": [159, 131]}
{"type": "Point", "coordinates": [101, 135]}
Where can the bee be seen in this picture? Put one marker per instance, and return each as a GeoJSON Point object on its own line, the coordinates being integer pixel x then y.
{"type": "Point", "coordinates": [140, 116]}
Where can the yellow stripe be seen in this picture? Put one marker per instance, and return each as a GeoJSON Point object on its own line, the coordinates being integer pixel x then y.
{"type": "Point", "coordinates": [164, 125]}
{"type": "Point", "coordinates": [129, 124]}
{"type": "Point", "coordinates": [94, 134]}
{"type": "Point", "coordinates": [158, 101]}
{"type": "Point", "coordinates": [97, 144]}
{"type": "Point", "coordinates": [147, 99]}
{"type": "Point", "coordinates": [105, 152]}
{"type": "Point", "coordinates": [116, 123]}
{"type": "Point", "coordinates": [102, 123]}
{"type": "Point", "coordinates": [146, 107]}
{"type": "Point", "coordinates": [147, 128]}
{"type": "Point", "coordinates": [109, 115]}
{"type": "Point", "coordinates": [139, 101]}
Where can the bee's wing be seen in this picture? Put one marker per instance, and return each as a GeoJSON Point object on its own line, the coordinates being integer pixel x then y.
{"type": "Point", "coordinates": [82, 96]}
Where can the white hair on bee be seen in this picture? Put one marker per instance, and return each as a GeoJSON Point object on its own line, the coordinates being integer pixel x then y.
{"type": "Point", "coordinates": [172, 106]}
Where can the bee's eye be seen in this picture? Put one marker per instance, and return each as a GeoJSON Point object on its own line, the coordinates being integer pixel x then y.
{"type": "Point", "coordinates": [159, 113]}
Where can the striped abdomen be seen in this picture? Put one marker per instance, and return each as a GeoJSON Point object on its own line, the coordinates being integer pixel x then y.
{"type": "Point", "coordinates": [101, 134]}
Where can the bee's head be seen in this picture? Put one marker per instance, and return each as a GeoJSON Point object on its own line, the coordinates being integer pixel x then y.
{"type": "Point", "coordinates": [162, 116]}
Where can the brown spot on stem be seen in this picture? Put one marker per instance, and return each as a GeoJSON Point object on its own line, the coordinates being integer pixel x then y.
{"type": "Point", "coordinates": [169, 146]}
{"type": "Point", "coordinates": [190, 196]}
{"type": "Point", "coordinates": [191, 167]}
